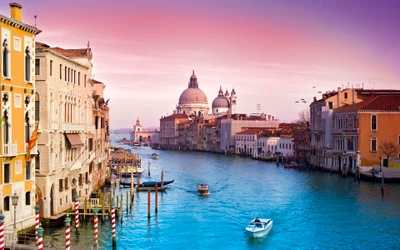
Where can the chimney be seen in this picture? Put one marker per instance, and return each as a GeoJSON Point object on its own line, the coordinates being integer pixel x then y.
{"type": "Point", "coordinates": [338, 98]}
{"type": "Point", "coordinates": [16, 11]}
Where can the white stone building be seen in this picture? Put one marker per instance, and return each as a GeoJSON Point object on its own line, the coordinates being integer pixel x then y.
{"type": "Point", "coordinates": [67, 142]}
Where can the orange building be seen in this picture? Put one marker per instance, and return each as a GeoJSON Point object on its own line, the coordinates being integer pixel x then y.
{"type": "Point", "coordinates": [360, 129]}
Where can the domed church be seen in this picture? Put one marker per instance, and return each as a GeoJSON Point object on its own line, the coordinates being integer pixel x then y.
{"type": "Point", "coordinates": [224, 104]}
{"type": "Point", "coordinates": [193, 101]}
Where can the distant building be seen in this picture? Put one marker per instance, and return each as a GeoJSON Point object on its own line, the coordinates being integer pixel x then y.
{"type": "Point", "coordinates": [140, 136]}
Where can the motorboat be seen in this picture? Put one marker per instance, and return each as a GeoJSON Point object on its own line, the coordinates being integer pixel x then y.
{"type": "Point", "coordinates": [154, 156]}
{"type": "Point", "coordinates": [202, 189]}
{"type": "Point", "coordinates": [259, 227]}
{"type": "Point", "coordinates": [126, 172]}
{"type": "Point", "coordinates": [292, 165]}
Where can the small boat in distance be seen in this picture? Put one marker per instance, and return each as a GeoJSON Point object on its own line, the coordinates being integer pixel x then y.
{"type": "Point", "coordinates": [259, 227]}
{"type": "Point", "coordinates": [154, 156]}
{"type": "Point", "coordinates": [292, 165]}
{"type": "Point", "coordinates": [202, 189]}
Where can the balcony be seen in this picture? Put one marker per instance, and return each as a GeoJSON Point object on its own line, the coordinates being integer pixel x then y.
{"type": "Point", "coordinates": [10, 149]}
{"type": "Point", "coordinates": [53, 125]}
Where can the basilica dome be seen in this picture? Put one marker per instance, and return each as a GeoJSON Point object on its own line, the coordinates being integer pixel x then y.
{"type": "Point", "coordinates": [193, 95]}
{"type": "Point", "coordinates": [193, 100]}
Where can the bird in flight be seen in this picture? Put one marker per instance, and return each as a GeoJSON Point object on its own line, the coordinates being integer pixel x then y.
{"type": "Point", "coordinates": [296, 101]}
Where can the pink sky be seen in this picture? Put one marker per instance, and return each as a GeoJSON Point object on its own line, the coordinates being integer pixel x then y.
{"type": "Point", "coordinates": [271, 52]}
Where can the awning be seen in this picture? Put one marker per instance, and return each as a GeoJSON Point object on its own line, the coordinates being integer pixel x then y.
{"type": "Point", "coordinates": [74, 140]}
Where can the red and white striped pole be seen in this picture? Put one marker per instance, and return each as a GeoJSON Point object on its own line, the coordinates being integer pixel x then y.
{"type": "Point", "coordinates": [37, 209]}
{"type": "Point", "coordinates": [77, 213]}
{"type": "Point", "coordinates": [96, 227]}
{"type": "Point", "coordinates": [67, 233]}
{"type": "Point", "coordinates": [113, 225]}
{"type": "Point", "coordinates": [40, 238]}
{"type": "Point", "coordinates": [1, 232]}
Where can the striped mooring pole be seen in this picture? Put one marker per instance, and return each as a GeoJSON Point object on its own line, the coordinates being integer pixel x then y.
{"type": "Point", "coordinates": [77, 213]}
{"type": "Point", "coordinates": [113, 225]}
{"type": "Point", "coordinates": [96, 227]}
{"type": "Point", "coordinates": [67, 233]}
{"type": "Point", "coordinates": [1, 232]}
{"type": "Point", "coordinates": [40, 239]}
{"type": "Point", "coordinates": [37, 209]}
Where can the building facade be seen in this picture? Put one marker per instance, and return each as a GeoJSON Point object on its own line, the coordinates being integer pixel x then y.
{"type": "Point", "coordinates": [19, 119]}
{"type": "Point", "coordinates": [70, 132]}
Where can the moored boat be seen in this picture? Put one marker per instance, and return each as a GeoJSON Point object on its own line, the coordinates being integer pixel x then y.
{"type": "Point", "coordinates": [202, 189]}
{"type": "Point", "coordinates": [126, 172]}
{"type": "Point", "coordinates": [259, 227]}
{"type": "Point", "coordinates": [154, 156]}
{"type": "Point", "coordinates": [292, 165]}
{"type": "Point", "coordinates": [144, 186]}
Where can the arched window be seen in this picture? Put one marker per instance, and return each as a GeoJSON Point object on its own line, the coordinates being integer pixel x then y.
{"type": "Point", "coordinates": [373, 144]}
{"type": "Point", "coordinates": [5, 58]}
{"type": "Point", "coordinates": [27, 64]}
{"type": "Point", "coordinates": [373, 122]}
{"type": "Point", "coordinates": [28, 198]}
{"type": "Point", "coordinates": [345, 96]}
{"type": "Point", "coordinates": [6, 203]}
{"type": "Point", "coordinates": [6, 128]}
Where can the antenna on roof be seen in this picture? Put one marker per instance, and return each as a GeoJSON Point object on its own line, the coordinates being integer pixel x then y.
{"type": "Point", "coordinates": [258, 107]}
{"type": "Point", "coordinates": [35, 16]}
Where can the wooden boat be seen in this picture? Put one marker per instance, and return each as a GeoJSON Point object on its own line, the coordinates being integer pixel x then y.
{"type": "Point", "coordinates": [154, 156]}
{"type": "Point", "coordinates": [259, 227]}
{"type": "Point", "coordinates": [202, 189]}
{"type": "Point", "coordinates": [144, 186]}
{"type": "Point", "coordinates": [292, 165]}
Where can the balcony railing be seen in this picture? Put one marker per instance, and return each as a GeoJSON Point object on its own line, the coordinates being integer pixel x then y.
{"type": "Point", "coordinates": [10, 149]}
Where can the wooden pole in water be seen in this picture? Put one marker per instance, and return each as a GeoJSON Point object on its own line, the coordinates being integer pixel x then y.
{"type": "Point", "coordinates": [138, 181]}
{"type": "Point", "coordinates": [162, 179]}
{"type": "Point", "coordinates": [113, 224]}
{"type": "Point", "coordinates": [120, 208]}
{"type": "Point", "coordinates": [77, 213]}
{"type": "Point", "coordinates": [148, 168]}
{"type": "Point", "coordinates": [156, 198]}
{"type": "Point", "coordinates": [96, 226]}
{"type": "Point", "coordinates": [84, 209]}
{"type": "Point", "coordinates": [103, 210]}
{"type": "Point", "coordinates": [383, 180]}
{"type": "Point", "coordinates": [148, 203]}
{"type": "Point", "coordinates": [127, 202]}
{"type": "Point", "coordinates": [116, 206]}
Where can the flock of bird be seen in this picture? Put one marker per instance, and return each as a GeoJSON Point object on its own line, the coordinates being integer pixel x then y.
{"type": "Point", "coordinates": [304, 101]}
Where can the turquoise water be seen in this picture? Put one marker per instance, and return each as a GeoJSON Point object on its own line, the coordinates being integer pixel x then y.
{"type": "Point", "coordinates": [310, 210]}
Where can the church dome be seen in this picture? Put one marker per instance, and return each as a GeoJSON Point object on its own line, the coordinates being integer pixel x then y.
{"type": "Point", "coordinates": [220, 101]}
{"type": "Point", "coordinates": [193, 95]}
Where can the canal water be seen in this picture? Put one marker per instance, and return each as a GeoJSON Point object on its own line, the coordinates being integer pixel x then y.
{"type": "Point", "coordinates": [310, 209]}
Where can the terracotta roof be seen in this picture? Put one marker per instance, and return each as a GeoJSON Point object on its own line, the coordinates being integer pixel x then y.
{"type": "Point", "coordinates": [96, 82]}
{"type": "Point", "coordinates": [383, 103]}
{"type": "Point", "coordinates": [174, 116]}
{"type": "Point", "coordinates": [252, 131]}
{"type": "Point", "coordinates": [73, 52]}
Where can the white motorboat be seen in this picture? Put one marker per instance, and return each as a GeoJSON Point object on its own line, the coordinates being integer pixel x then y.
{"type": "Point", "coordinates": [202, 189]}
{"type": "Point", "coordinates": [154, 156]}
{"type": "Point", "coordinates": [126, 172]}
{"type": "Point", "coordinates": [259, 227]}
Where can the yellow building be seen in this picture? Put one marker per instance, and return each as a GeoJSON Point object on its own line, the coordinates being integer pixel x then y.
{"type": "Point", "coordinates": [17, 91]}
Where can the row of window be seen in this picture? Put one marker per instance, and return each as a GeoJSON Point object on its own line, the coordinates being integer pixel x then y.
{"type": "Point", "coordinates": [70, 75]}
